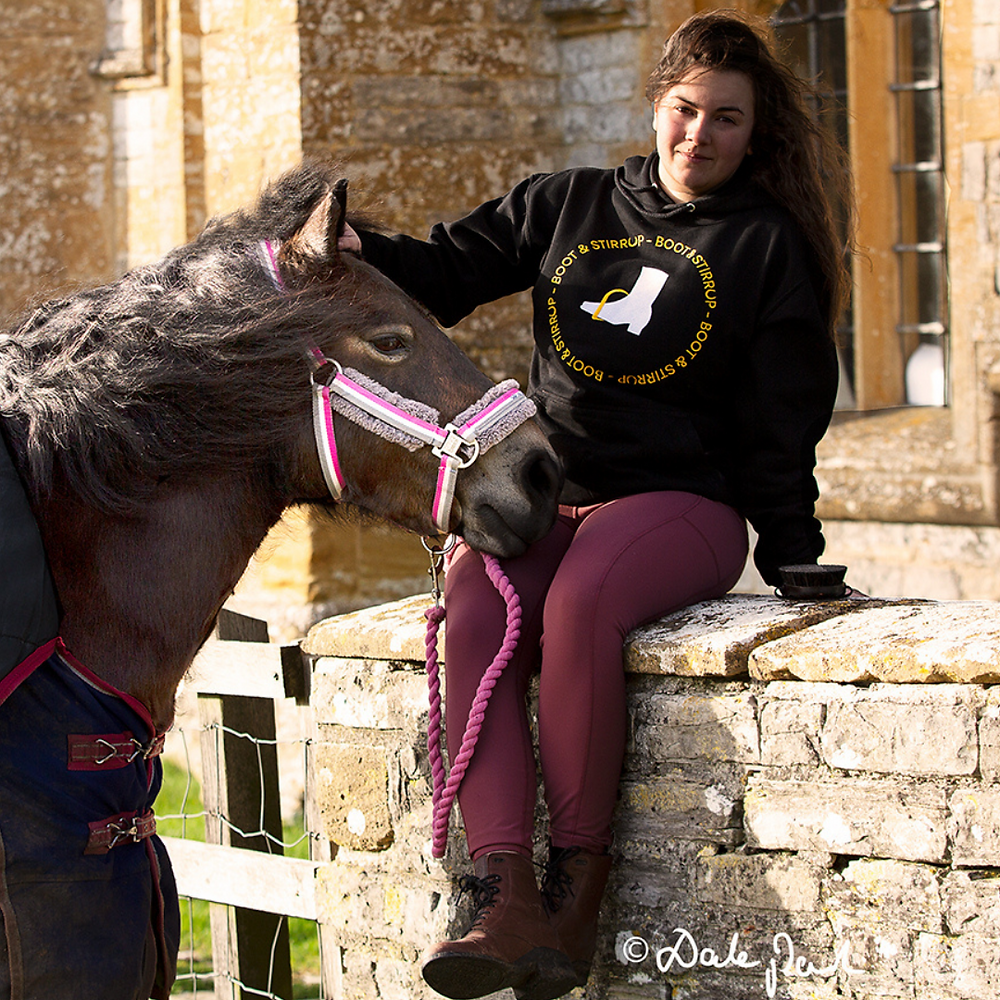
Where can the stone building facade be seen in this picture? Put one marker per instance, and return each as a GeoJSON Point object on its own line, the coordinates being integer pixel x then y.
{"type": "Point", "coordinates": [128, 123]}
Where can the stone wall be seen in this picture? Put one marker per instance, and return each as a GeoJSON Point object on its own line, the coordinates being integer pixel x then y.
{"type": "Point", "coordinates": [810, 806]}
{"type": "Point", "coordinates": [56, 224]}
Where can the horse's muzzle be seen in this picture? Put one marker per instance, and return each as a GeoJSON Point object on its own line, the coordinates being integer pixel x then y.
{"type": "Point", "coordinates": [504, 514]}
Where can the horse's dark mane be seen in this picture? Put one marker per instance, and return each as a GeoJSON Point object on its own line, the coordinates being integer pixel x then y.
{"type": "Point", "coordinates": [190, 366]}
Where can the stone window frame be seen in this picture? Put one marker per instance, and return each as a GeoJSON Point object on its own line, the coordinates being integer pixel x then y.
{"type": "Point", "coordinates": [134, 43]}
{"type": "Point", "coordinates": [817, 34]}
{"type": "Point", "coordinates": [886, 461]}
{"type": "Point", "coordinates": [584, 16]}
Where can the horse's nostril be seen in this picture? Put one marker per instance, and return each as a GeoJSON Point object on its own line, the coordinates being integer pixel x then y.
{"type": "Point", "coordinates": [540, 476]}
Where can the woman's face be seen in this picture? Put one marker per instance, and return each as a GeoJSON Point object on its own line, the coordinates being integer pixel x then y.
{"type": "Point", "coordinates": [703, 126]}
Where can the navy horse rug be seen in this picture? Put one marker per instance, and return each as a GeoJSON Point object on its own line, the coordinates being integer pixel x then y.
{"type": "Point", "coordinates": [85, 885]}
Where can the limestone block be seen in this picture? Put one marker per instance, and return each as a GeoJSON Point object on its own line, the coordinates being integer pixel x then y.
{"type": "Point", "coordinates": [650, 878]}
{"type": "Point", "coordinates": [584, 54]}
{"type": "Point", "coordinates": [419, 92]}
{"type": "Point", "coordinates": [974, 826]}
{"type": "Point", "coordinates": [963, 967]}
{"type": "Point", "coordinates": [358, 975]}
{"type": "Point", "coordinates": [791, 719]}
{"type": "Point", "coordinates": [920, 643]}
{"type": "Point", "coordinates": [759, 881]}
{"type": "Point", "coordinates": [368, 694]}
{"type": "Point", "coordinates": [989, 735]}
{"type": "Point", "coordinates": [715, 638]}
{"type": "Point", "coordinates": [434, 125]}
{"type": "Point", "coordinates": [888, 729]}
{"type": "Point", "coordinates": [887, 892]}
{"type": "Point", "coordinates": [360, 904]}
{"type": "Point", "coordinates": [986, 42]}
{"type": "Point", "coordinates": [394, 631]}
{"type": "Point", "coordinates": [974, 171]}
{"type": "Point", "coordinates": [698, 727]}
{"type": "Point", "coordinates": [599, 86]}
{"type": "Point", "coordinates": [971, 901]}
{"type": "Point", "coordinates": [876, 958]}
{"type": "Point", "coordinates": [400, 980]}
{"type": "Point", "coordinates": [348, 901]}
{"type": "Point", "coordinates": [603, 124]}
{"type": "Point", "coordinates": [902, 730]}
{"type": "Point", "coordinates": [487, 51]}
{"type": "Point", "coordinates": [891, 819]}
{"type": "Point", "coordinates": [657, 809]}
{"type": "Point", "coordinates": [352, 790]}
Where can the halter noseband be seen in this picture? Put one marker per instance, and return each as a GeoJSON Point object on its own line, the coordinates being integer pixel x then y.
{"type": "Point", "coordinates": [407, 422]}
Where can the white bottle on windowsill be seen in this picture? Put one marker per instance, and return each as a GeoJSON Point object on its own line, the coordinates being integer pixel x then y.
{"type": "Point", "coordinates": [925, 375]}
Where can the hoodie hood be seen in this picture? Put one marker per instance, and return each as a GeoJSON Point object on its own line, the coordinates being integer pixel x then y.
{"type": "Point", "coordinates": [637, 179]}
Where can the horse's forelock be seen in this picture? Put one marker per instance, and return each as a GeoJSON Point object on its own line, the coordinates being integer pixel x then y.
{"type": "Point", "coordinates": [174, 370]}
{"type": "Point", "coordinates": [192, 363]}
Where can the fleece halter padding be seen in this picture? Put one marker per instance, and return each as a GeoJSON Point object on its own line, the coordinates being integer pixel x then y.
{"type": "Point", "coordinates": [407, 422]}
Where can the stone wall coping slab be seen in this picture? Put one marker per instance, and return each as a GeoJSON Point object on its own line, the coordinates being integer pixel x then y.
{"type": "Point", "coordinates": [956, 641]}
{"type": "Point", "coordinates": [769, 638]}
{"type": "Point", "coordinates": [394, 631]}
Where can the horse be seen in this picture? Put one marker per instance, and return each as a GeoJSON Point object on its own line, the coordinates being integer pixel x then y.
{"type": "Point", "coordinates": [160, 426]}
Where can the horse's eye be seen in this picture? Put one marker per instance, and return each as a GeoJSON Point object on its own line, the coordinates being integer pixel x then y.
{"type": "Point", "coordinates": [388, 343]}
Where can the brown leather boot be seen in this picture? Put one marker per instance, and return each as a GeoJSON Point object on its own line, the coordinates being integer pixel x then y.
{"type": "Point", "coordinates": [572, 889]}
{"type": "Point", "coordinates": [510, 942]}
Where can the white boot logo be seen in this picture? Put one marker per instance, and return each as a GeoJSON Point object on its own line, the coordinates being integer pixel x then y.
{"type": "Point", "coordinates": [634, 310]}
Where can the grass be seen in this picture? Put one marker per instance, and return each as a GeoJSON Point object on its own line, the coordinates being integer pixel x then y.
{"type": "Point", "coordinates": [181, 795]}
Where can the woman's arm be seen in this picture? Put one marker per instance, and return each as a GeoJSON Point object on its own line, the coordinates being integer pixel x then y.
{"type": "Point", "coordinates": [489, 253]}
{"type": "Point", "coordinates": [785, 395]}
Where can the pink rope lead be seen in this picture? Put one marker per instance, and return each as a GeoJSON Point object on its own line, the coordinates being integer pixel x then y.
{"type": "Point", "coordinates": [444, 792]}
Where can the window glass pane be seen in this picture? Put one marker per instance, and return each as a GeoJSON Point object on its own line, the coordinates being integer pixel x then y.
{"type": "Point", "coordinates": [919, 126]}
{"type": "Point", "coordinates": [794, 9]}
{"type": "Point", "coordinates": [794, 39]}
{"type": "Point", "coordinates": [833, 55]}
{"type": "Point", "coordinates": [917, 46]}
{"type": "Point", "coordinates": [924, 44]}
{"type": "Point", "coordinates": [929, 278]}
{"type": "Point", "coordinates": [921, 274]}
{"type": "Point", "coordinates": [920, 207]}
{"type": "Point", "coordinates": [919, 183]}
{"type": "Point", "coordinates": [814, 43]}
{"type": "Point", "coordinates": [926, 136]}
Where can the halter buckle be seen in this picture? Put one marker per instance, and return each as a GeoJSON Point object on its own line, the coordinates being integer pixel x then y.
{"type": "Point", "coordinates": [454, 446]}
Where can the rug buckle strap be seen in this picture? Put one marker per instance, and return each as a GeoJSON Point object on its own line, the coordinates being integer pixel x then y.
{"type": "Point", "coordinates": [108, 751]}
{"type": "Point", "coordinates": [123, 828]}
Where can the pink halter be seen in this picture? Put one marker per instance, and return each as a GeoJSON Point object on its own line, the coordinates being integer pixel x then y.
{"type": "Point", "coordinates": [407, 422]}
{"type": "Point", "coordinates": [413, 424]}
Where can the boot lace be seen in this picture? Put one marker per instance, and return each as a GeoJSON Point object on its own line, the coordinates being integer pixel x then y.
{"type": "Point", "coordinates": [556, 880]}
{"type": "Point", "coordinates": [483, 892]}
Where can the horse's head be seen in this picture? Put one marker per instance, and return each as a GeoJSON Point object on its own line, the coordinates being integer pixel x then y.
{"type": "Point", "coordinates": [505, 496]}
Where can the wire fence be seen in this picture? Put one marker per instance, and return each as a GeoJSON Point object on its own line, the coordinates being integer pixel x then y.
{"type": "Point", "coordinates": [270, 818]}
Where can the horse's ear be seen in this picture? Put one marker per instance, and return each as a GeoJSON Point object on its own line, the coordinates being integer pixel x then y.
{"type": "Point", "coordinates": [340, 196]}
{"type": "Point", "coordinates": [312, 250]}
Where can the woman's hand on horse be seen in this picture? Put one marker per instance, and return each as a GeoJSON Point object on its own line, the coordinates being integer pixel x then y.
{"type": "Point", "coordinates": [349, 241]}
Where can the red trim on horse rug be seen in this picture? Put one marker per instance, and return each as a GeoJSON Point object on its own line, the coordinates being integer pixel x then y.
{"type": "Point", "coordinates": [88, 904]}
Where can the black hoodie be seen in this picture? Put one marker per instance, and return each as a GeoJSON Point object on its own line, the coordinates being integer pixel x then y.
{"type": "Point", "coordinates": [677, 346]}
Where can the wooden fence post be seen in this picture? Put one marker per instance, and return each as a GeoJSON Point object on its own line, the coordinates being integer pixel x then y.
{"type": "Point", "coordinates": [240, 783]}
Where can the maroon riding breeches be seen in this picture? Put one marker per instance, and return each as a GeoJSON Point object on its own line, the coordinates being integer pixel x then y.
{"type": "Point", "coordinates": [599, 573]}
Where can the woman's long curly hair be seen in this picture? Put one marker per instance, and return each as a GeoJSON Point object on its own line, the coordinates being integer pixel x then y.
{"type": "Point", "coordinates": [795, 158]}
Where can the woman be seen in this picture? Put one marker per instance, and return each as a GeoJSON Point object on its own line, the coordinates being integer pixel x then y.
{"type": "Point", "coordinates": [684, 369]}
